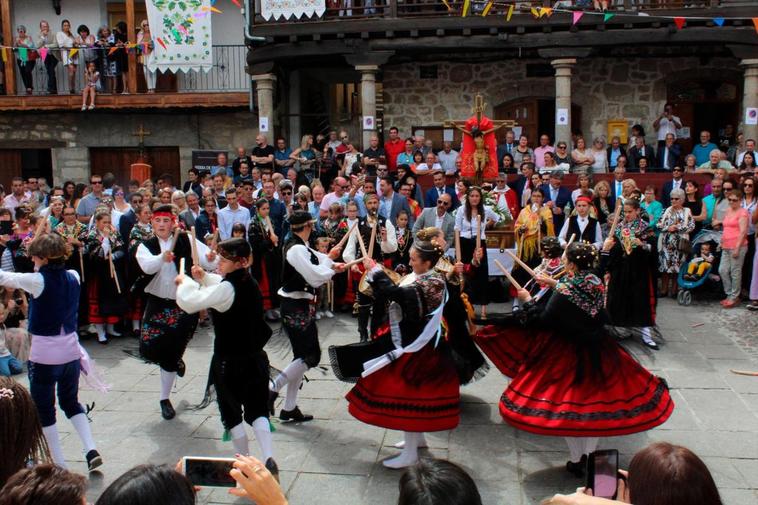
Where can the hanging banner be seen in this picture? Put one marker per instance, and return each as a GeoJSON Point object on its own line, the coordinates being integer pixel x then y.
{"type": "Point", "coordinates": [292, 8]}
{"type": "Point", "coordinates": [183, 32]}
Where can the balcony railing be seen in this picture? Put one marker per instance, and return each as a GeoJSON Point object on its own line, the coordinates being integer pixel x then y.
{"type": "Point", "coordinates": [362, 9]}
{"type": "Point", "coordinates": [227, 75]}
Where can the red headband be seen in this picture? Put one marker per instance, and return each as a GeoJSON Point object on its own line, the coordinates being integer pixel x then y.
{"type": "Point", "coordinates": [584, 199]}
{"type": "Point", "coordinates": [164, 213]}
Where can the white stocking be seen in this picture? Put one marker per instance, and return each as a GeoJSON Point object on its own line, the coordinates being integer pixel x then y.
{"type": "Point", "coordinates": [167, 383]}
{"type": "Point", "coordinates": [54, 443]}
{"type": "Point", "coordinates": [112, 330]}
{"type": "Point", "coordinates": [262, 430]}
{"type": "Point", "coordinates": [422, 443]}
{"type": "Point", "coordinates": [239, 439]}
{"type": "Point", "coordinates": [646, 335]}
{"type": "Point", "coordinates": [293, 372]}
{"type": "Point", "coordinates": [579, 446]}
{"type": "Point", "coordinates": [409, 456]}
{"type": "Point", "coordinates": [100, 329]}
{"type": "Point", "coordinates": [135, 324]}
{"type": "Point", "coordinates": [81, 423]}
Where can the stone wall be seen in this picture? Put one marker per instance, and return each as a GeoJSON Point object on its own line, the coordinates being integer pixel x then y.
{"type": "Point", "coordinates": [70, 135]}
{"type": "Point", "coordinates": [632, 89]}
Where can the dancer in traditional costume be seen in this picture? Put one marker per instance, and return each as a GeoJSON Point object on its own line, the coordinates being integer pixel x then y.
{"type": "Point", "coordinates": [56, 358]}
{"type": "Point", "coordinates": [381, 251]}
{"type": "Point", "coordinates": [266, 265]}
{"type": "Point", "coordinates": [570, 377]}
{"type": "Point", "coordinates": [551, 266]}
{"type": "Point", "coordinates": [406, 377]}
{"type": "Point", "coordinates": [629, 256]}
{"type": "Point", "coordinates": [303, 272]}
{"type": "Point", "coordinates": [142, 231]}
{"type": "Point", "coordinates": [239, 366]}
{"type": "Point", "coordinates": [74, 234]}
{"type": "Point", "coordinates": [167, 329]}
{"type": "Point", "coordinates": [107, 284]}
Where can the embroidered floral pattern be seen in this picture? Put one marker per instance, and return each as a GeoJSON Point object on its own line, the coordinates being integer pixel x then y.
{"type": "Point", "coordinates": [585, 290]}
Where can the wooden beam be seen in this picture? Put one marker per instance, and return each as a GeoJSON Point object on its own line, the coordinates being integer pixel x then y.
{"type": "Point", "coordinates": [10, 63]}
{"type": "Point", "coordinates": [131, 33]}
{"type": "Point", "coordinates": [120, 102]}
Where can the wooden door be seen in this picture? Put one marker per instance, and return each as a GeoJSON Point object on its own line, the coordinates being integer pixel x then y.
{"type": "Point", "coordinates": [437, 135]}
{"type": "Point", "coordinates": [10, 160]}
{"type": "Point", "coordinates": [525, 111]}
{"type": "Point", "coordinates": [118, 160]}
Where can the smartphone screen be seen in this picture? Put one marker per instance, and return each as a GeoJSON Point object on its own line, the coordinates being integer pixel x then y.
{"type": "Point", "coordinates": [603, 472]}
{"type": "Point", "coordinates": [209, 472]}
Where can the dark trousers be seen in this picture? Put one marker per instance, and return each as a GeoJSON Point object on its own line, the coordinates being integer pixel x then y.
{"type": "Point", "coordinates": [52, 82]}
{"type": "Point", "coordinates": [43, 379]}
{"type": "Point", "coordinates": [25, 69]}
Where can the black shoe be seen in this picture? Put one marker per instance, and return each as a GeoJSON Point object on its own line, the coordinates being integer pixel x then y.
{"type": "Point", "coordinates": [294, 415]}
{"type": "Point", "coordinates": [272, 467]}
{"type": "Point", "coordinates": [181, 368]}
{"type": "Point", "coordinates": [93, 460]}
{"type": "Point", "coordinates": [167, 410]}
{"type": "Point", "coordinates": [272, 396]}
{"type": "Point", "coordinates": [577, 469]}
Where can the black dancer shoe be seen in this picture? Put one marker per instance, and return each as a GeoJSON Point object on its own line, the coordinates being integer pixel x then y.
{"type": "Point", "coordinates": [577, 469]}
{"type": "Point", "coordinates": [167, 410]}
{"type": "Point", "coordinates": [272, 467]}
{"type": "Point", "coordinates": [181, 368]}
{"type": "Point", "coordinates": [272, 396]}
{"type": "Point", "coordinates": [294, 415]}
{"type": "Point", "coordinates": [93, 460]}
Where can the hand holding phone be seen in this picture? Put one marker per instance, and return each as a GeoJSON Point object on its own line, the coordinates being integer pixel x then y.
{"type": "Point", "coordinates": [209, 472]}
{"type": "Point", "coordinates": [602, 473]}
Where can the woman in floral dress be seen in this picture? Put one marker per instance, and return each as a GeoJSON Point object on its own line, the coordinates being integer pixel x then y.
{"type": "Point", "coordinates": [675, 224]}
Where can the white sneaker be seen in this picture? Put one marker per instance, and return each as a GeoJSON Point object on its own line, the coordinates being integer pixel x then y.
{"type": "Point", "coordinates": [319, 314]}
{"type": "Point", "coordinates": [84, 107]}
{"type": "Point", "coordinates": [92, 106]}
{"type": "Point", "coordinates": [329, 314]}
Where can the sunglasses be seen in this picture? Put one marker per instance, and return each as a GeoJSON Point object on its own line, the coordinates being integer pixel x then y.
{"type": "Point", "coordinates": [675, 198]}
{"type": "Point", "coordinates": [344, 187]}
{"type": "Point", "coordinates": [733, 200]}
{"type": "Point", "coordinates": [677, 170]}
{"type": "Point", "coordinates": [747, 185]}
{"type": "Point", "coordinates": [286, 192]}
{"type": "Point", "coordinates": [96, 182]}
{"type": "Point", "coordinates": [443, 202]}
{"type": "Point", "coordinates": [343, 138]}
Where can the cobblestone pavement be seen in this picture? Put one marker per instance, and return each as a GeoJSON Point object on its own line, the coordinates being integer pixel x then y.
{"type": "Point", "coordinates": [337, 460]}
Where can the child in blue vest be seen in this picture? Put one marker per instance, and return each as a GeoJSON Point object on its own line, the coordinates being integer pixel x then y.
{"type": "Point", "coordinates": [56, 358]}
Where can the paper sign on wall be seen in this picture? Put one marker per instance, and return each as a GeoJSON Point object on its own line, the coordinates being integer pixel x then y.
{"type": "Point", "coordinates": [517, 130]}
{"type": "Point", "coordinates": [448, 135]}
{"type": "Point", "coordinates": [419, 133]}
{"type": "Point", "coordinates": [751, 115]}
{"type": "Point", "coordinates": [368, 123]}
{"type": "Point", "coordinates": [562, 117]}
{"type": "Point", "coordinates": [263, 124]}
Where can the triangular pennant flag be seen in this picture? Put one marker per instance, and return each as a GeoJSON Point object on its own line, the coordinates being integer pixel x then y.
{"type": "Point", "coordinates": [488, 7]}
{"type": "Point", "coordinates": [112, 50]}
{"type": "Point", "coordinates": [23, 54]}
{"type": "Point", "coordinates": [535, 12]}
{"type": "Point", "coordinates": [43, 53]}
{"type": "Point", "coordinates": [719, 21]}
{"type": "Point", "coordinates": [546, 11]}
{"type": "Point", "coordinates": [237, 3]}
{"type": "Point", "coordinates": [510, 12]}
{"type": "Point", "coordinates": [466, 7]}
{"type": "Point", "coordinates": [755, 23]}
{"type": "Point", "coordinates": [160, 41]}
{"type": "Point", "coordinates": [608, 16]}
{"type": "Point", "coordinates": [73, 52]}
{"type": "Point", "coordinates": [577, 16]}
{"type": "Point", "coordinates": [5, 55]}
{"type": "Point", "coordinates": [679, 22]}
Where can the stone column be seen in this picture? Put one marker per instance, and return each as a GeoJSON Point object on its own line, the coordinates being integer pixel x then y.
{"type": "Point", "coordinates": [749, 96]}
{"type": "Point", "coordinates": [563, 98]}
{"type": "Point", "coordinates": [264, 85]}
{"type": "Point", "coordinates": [294, 109]}
{"type": "Point", "coordinates": [368, 99]}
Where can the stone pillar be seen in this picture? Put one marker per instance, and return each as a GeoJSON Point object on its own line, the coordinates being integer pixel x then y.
{"type": "Point", "coordinates": [294, 127]}
{"type": "Point", "coordinates": [368, 99]}
{"type": "Point", "coordinates": [264, 85]}
{"type": "Point", "coordinates": [749, 96]}
{"type": "Point", "coordinates": [563, 98]}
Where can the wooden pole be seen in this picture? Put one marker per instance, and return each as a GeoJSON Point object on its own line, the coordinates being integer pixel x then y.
{"type": "Point", "coordinates": [342, 241]}
{"type": "Point", "coordinates": [457, 246]}
{"type": "Point", "coordinates": [363, 246]}
{"type": "Point", "coordinates": [565, 251]}
{"type": "Point", "coordinates": [10, 60]}
{"type": "Point", "coordinates": [521, 263]}
{"type": "Point", "coordinates": [195, 255]}
{"type": "Point", "coordinates": [114, 275]}
{"type": "Point", "coordinates": [81, 262]}
{"type": "Point", "coordinates": [373, 238]}
{"type": "Point", "coordinates": [478, 231]}
{"type": "Point", "coordinates": [131, 34]}
{"type": "Point", "coordinates": [177, 231]}
{"type": "Point", "coordinates": [181, 266]}
{"type": "Point", "coordinates": [508, 275]}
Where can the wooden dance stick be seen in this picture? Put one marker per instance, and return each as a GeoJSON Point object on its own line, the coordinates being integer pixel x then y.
{"type": "Point", "coordinates": [565, 251]}
{"type": "Point", "coordinates": [373, 238]}
{"type": "Point", "coordinates": [363, 246]}
{"type": "Point", "coordinates": [744, 372]}
{"type": "Point", "coordinates": [508, 275]}
{"type": "Point", "coordinates": [616, 215]}
{"type": "Point", "coordinates": [342, 241]}
{"type": "Point", "coordinates": [478, 231]}
{"type": "Point", "coordinates": [270, 226]}
{"type": "Point", "coordinates": [181, 266]}
{"type": "Point", "coordinates": [193, 243]}
{"type": "Point", "coordinates": [457, 246]}
{"type": "Point", "coordinates": [330, 288]}
{"type": "Point", "coordinates": [521, 263]}
{"type": "Point", "coordinates": [355, 261]}
{"type": "Point", "coordinates": [113, 272]}
{"type": "Point", "coordinates": [81, 262]}
{"type": "Point", "coordinates": [177, 231]}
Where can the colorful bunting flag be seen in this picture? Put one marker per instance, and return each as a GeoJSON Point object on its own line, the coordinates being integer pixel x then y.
{"type": "Point", "coordinates": [73, 52]}
{"type": "Point", "coordinates": [43, 53]}
{"type": "Point", "coordinates": [236, 2]}
{"type": "Point", "coordinates": [5, 55]}
{"type": "Point", "coordinates": [719, 21]}
{"type": "Point", "coordinates": [205, 8]}
{"type": "Point", "coordinates": [509, 13]}
{"type": "Point", "coordinates": [755, 23]}
{"type": "Point", "coordinates": [112, 50]}
{"type": "Point", "coordinates": [535, 12]}
{"type": "Point", "coordinates": [200, 14]}
{"type": "Point", "coordinates": [546, 11]}
{"type": "Point", "coordinates": [23, 54]}
{"type": "Point", "coordinates": [577, 16]}
{"type": "Point", "coordinates": [466, 7]}
{"type": "Point", "coordinates": [488, 7]}
{"type": "Point", "coordinates": [608, 16]}
{"type": "Point", "coordinates": [679, 22]}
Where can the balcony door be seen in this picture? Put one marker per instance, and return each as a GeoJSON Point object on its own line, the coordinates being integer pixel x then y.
{"type": "Point", "coordinates": [118, 160]}
{"type": "Point", "coordinates": [535, 116]}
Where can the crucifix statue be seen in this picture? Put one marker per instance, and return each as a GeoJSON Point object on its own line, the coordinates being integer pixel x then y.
{"type": "Point", "coordinates": [140, 169]}
{"type": "Point", "coordinates": [479, 154]}
{"type": "Point", "coordinates": [141, 133]}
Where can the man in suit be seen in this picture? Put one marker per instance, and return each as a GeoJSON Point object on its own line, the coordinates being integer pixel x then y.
{"type": "Point", "coordinates": [439, 217]}
{"type": "Point", "coordinates": [556, 197]}
{"type": "Point", "coordinates": [391, 202]}
{"type": "Point", "coordinates": [439, 189]}
{"type": "Point", "coordinates": [189, 215]}
{"type": "Point", "coordinates": [524, 181]}
{"type": "Point", "coordinates": [508, 147]}
{"type": "Point", "coordinates": [668, 154]}
{"type": "Point", "coordinates": [614, 151]}
{"type": "Point", "coordinates": [619, 174]}
{"type": "Point", "coordinates": [639, 150]}
{"type": "Point", "coordinates": [127, 221]}
{"type": "Point", "coordinates": [677, 182]}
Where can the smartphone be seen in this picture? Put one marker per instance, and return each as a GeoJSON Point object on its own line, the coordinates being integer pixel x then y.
{"type": "Point", "coordinates": [6, 227]}
{"type": "Point", "coordinates": [209, 472]}
{"type": "Point", "coordinates": [602, 473]}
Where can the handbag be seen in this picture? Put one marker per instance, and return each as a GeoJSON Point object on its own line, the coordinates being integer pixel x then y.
{"type": "Point", "coordinates": [685, 244]}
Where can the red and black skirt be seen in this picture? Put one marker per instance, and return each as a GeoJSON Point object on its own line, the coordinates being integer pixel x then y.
{"type": "Point", "coordinates": [265, 286]}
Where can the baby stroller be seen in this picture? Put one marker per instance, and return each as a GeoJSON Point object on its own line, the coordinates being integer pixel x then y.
{"type": "Point", "coordinates": [704, 283]}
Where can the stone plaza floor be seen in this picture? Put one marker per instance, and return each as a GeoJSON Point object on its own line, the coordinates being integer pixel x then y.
{"type": "Point", "coordinates": [337, 460]}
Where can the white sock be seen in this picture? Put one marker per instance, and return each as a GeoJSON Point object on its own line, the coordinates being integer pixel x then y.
{"type": "Point", "coordinates": [293, 371]}
{"type": "Point", "coordinates": [81, 423]}
{"type": "Point", "coordinates": [167, 383]}
{"type": "Point", "coordinates": [239, 439]}
{"type": "Point", "coordinates": [100, 329]}
{"type": "Point", "coordinates": [54, 443]}
{"type": "Point", "coordinates": [135, 324]}
{"type": "Point", "coordinates": [112, 331]}
{"type": "Point", "coordinates": [262, 430]}
{"type": "Point", "coordinates": [422, 443]}
{"type": "Point", "coordinates": [646, 335]}
{"type": "Point", "coordinates": [409, 456]}
{"type": "Point", "coordinates": [590, 444]}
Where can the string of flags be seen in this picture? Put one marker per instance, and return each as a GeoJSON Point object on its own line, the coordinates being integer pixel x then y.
{"type": "Point", "coordinates": [546, 12]}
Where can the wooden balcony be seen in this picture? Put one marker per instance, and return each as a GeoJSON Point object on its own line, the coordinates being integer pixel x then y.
{"type": "Point", "coordinates": [177, 100]}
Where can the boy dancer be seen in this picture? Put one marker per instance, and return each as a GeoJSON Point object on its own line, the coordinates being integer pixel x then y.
{"type": "Point", "coordinates": [239, 367]}
{"type": "Point", "coordinates": [167, 329]}
{"type": "Point", "coordinates": [56, 358]}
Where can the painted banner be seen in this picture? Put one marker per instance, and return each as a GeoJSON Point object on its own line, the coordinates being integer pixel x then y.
{"type": "Point", "coordinates": [181, 31]}
{"type": "Point", "coordinates": [285, 9]}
